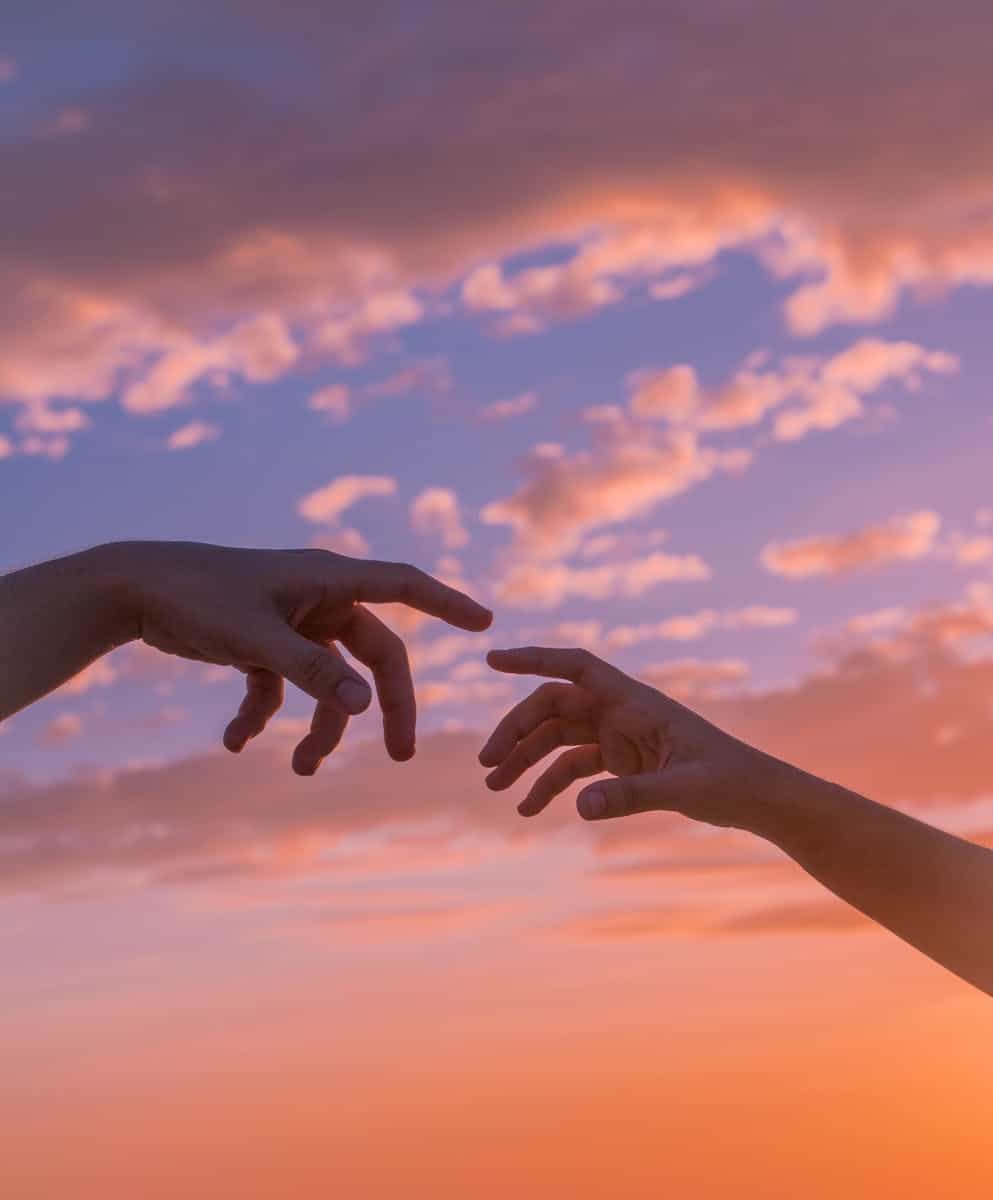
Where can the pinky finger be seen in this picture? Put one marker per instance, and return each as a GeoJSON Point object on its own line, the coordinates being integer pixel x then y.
{"type": "Point", "coordinates": [569, 767]}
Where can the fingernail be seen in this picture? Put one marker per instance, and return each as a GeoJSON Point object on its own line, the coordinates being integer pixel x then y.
{"type": "Point", "coordinates": [592, 804]}
{"type": "Point", "coordinates": [355, 697]}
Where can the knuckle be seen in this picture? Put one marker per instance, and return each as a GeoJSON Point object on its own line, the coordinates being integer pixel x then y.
{"type": "Point", "coordinates": [316, 670]}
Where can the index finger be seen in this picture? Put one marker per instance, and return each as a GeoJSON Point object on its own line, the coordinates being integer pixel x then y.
{"type": "Point", "coordinates": [399, 583]}
{"type": "Point", "coordinates": [578, 666]}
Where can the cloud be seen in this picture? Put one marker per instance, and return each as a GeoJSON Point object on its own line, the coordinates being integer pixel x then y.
{"type": "Point", "coordinates": [68, 122]}
{"type": "Point", "coordinates": [405, 921]}
{"type": "Point", "coordinates": [969, 550]}
{"type": "Point", "coordinates": [672, 394]}
{"type": "Point", "coordinates": [326, 504]}
{"type": "Point", "coordinates": [61, 729]}
{"type": "Point", "coordinates": [461, 691]}
{"type": "Point", "coordinates": [443, 650]}
{"type": "Point", "coordinates": [100, 673]}
{"type": "Point", "coordinates": [808, 394]}
{"type": "Point", "coordinates": [629, 471]}
{"type": "Point", "coordinates": [504, 410]}
{"type": "Point", "coordinates": [901, 538]}
{"type": "Point", "coordinates": [8, 69]}
{"type": "Point", "coordinates": [697, 625]}
{"type": "Point", "coordinates": [432, 375]}
{"type": "Point", "coordinates": [193, 434]}
{"type": "Point", "coordinates": [43, 419]}
{"type": "Point", "coordinates": [6, 446]}
{"type": "Point", "coordinates": [345, 337]}
{"type": "Point", "coordinates": [209, 816]}
{"type": "Point", "coordinates": [694, 678]}
{"type": "Point", "coordinates": [545, 584]}
{"type": "Point", "coordinates": [870, 718]}
{"type": "Point", "coordinates": [259, 349]}
{"type": "Point", "coordinates": [436, 511]}
{"type": "Point", "coordinates": [351, 237]}
{"type": "Point", "coordinates": [789, 918]}
{"type": "Point", "coordinates": [343, 541]}
{"type": "Point", "coordinates": [334, 400]}
{"type": "Point", "coordinates": [599, 273]}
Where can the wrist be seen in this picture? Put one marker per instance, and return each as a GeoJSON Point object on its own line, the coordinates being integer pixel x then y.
{"type": "Point", "coordinates": [794, 810]}
{"type": "Point", "coordinates": [113, 575]}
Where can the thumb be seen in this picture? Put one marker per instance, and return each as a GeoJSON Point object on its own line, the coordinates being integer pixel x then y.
{"type": "Point", "coordinates": [316, 670]}
{"type": "Point", "coordinates": [629, 794]}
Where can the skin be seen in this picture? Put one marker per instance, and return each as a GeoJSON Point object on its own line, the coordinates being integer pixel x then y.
{"type": "Point", "coordinates": [274, 615]}
{"type": "Point", "coordinates": [930, 888]}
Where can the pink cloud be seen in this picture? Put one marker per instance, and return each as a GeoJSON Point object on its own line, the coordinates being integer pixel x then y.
{"type": "Point", "coordinates": [545, 585]}
{"type": "Point", "coordinates": [675, 175]}
{"type": "Point", "coordinates": [431, 375]}
{"type": "Point", "coordinates": [193, 434]}
{"type": "Point", "coordinates": [503, 410]}
{"type": "Point", "coordinates": [63, 728]}
{"type": "Point", "coordinates": [326, 504]}
{"type": "Point", "coordinates": [334, 400]}
{"type": "Point", "coordinates": [630, 470]}
{"type": "Point", "coordinates": [696, 625]}
{"type": "Point", "coordinates": [906, 537]}
{"type": "Point", "coordinates": [436, 512]}
{"type": "Point", "coordinates": [694, 678]}
{"type": "Point", "coordinates": [807, 394]}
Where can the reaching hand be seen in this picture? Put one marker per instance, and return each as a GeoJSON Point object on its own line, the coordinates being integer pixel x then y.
{"type": "Point", "coordinates": [663, 755]}
{"type": "Point", "coordinates": [281, 614]}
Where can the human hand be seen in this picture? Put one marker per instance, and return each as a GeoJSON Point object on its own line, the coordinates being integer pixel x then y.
{"type": "Point", "coordinates": [662, 754]}
{"type": "Point", "coordinates": [281, 614]}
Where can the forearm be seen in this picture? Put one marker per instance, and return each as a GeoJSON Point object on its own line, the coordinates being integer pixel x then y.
{"type": "Point", "coordinates": [55, 619]}
{"type": "Point", "coordinates": [930, 888]}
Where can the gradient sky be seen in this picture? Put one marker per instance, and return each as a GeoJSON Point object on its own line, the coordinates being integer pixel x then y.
{"type": "Point", "coordinates": [662, 329]}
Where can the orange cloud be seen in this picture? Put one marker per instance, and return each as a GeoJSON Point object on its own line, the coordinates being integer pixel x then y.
{"type": "Point", "coordinates": [907, 537]}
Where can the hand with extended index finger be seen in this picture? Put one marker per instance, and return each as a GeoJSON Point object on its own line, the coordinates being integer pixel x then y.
{"type": "Point", "coordinates": [287, 615]}
{"type": "Point", "coordinates": [661, 754]}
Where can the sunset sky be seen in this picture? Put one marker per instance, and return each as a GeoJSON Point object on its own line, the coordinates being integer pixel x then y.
{"type": "Point", "coordinates": [661, 329]}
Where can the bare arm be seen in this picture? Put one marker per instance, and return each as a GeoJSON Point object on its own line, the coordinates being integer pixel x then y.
{"type": "Point", "coordinates": [55, 619]}
{"type": "Point", "coordinates": [932, 889]}
{"type": "Point", "coordinates": [275, 615]}
{"type": "Point", "coordinates": [929, 887]}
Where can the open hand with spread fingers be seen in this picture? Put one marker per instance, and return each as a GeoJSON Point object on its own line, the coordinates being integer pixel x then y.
{"type": "Point", "coordinates": [661, 754]}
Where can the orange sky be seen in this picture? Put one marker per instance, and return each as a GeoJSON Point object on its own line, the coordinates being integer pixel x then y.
{"type": "Point", "coordinates": [663, 329]}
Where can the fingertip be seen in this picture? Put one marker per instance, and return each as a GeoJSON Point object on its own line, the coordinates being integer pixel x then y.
{"type": "Point", "coordinates": [231, 742]}
{"type": "Point", "coordinates": [354, 695]}
{"type": "Point", "coordinates": [402, 753]}
{"type": "Point", "coordinates": [592, 804]}
{"type": "Point", "coordinates": [484, 619]}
